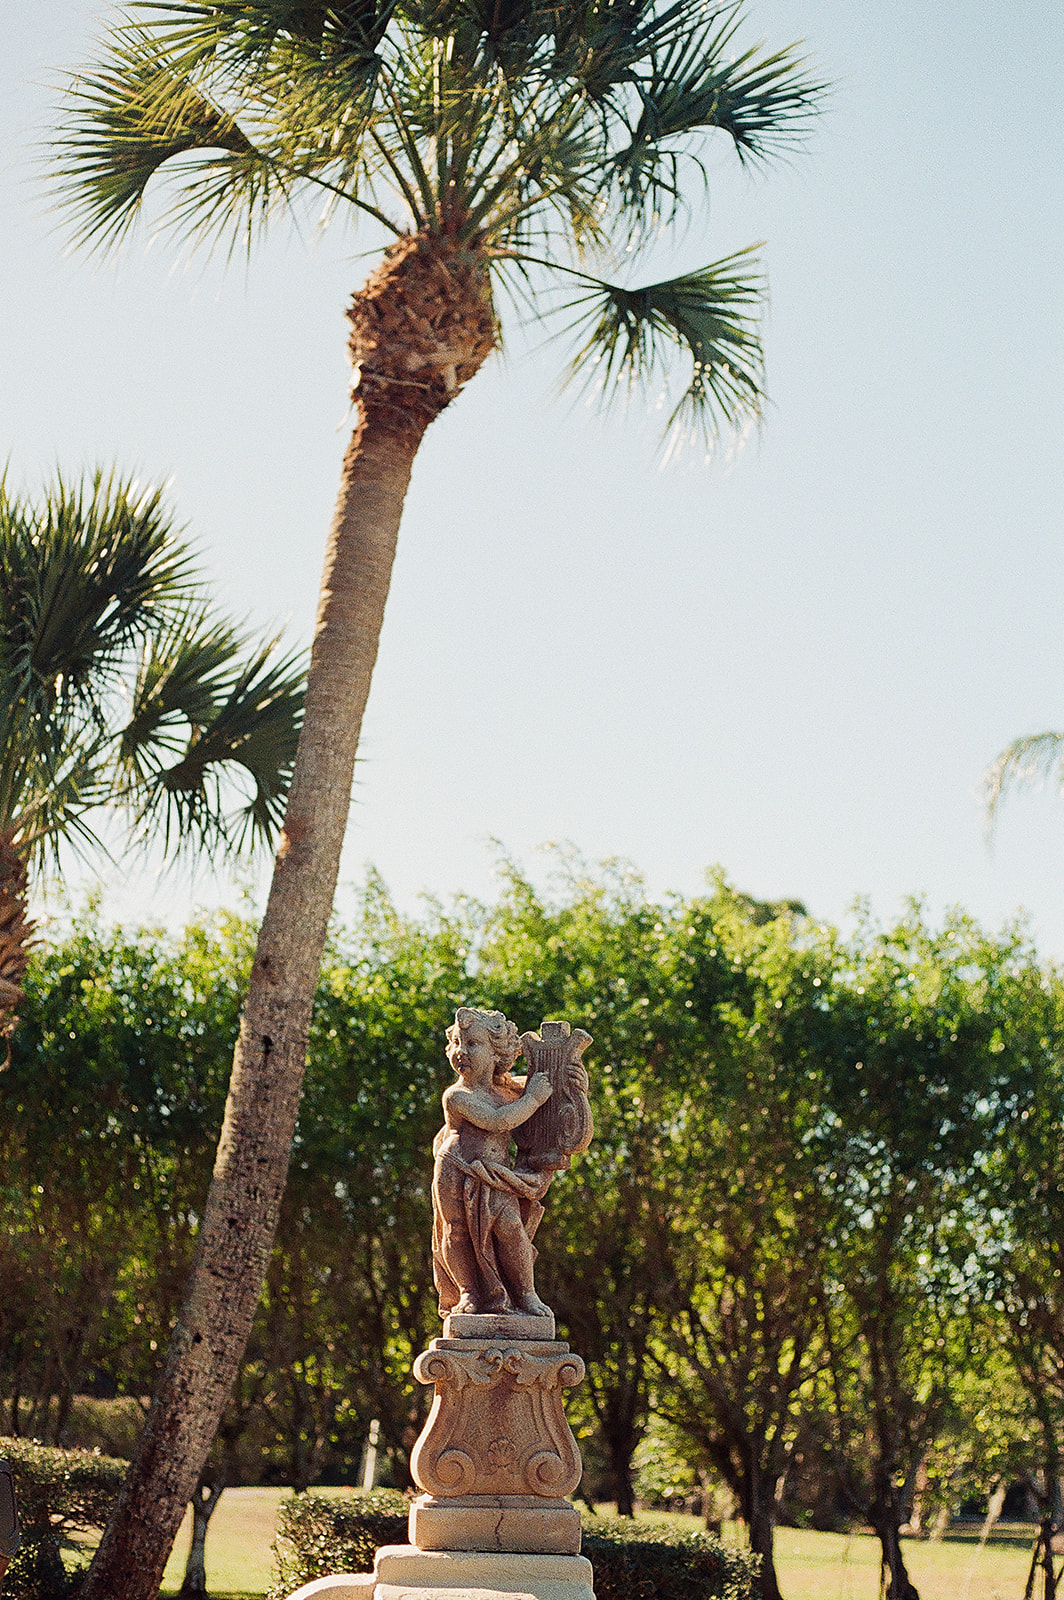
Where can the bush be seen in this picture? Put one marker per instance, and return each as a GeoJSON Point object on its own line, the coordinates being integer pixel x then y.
{"type": "Point", "coordinates": [59, 1492]}
{"type": "Point", "coordinates": [631, 1561]}
{"type": "Point", "coordinates": [640, 1561]}
{"type": "Point", "coordinates": [317, 1536]}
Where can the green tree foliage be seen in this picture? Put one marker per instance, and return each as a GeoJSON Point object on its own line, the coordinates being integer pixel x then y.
{"type": "Point", "coordinates": [912, 1074]}
{"type": "Point", "coordinates": [819, 1218]}
{"type": "Point", "coordinates": [1017, 1186]}
{"type": "Point", "coordinates": [117, 1082]}
{"type": "Point", "coordinates": [746, 1259]}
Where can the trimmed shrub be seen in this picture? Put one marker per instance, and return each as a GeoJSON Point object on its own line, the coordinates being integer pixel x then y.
{"type": "Point", "coordinates": [631, 1561]}
{"type": "Point", "coordinates": [644, 1561]}
{"type": "Point", "coordinates": [317, 1536]}
{"type": "Point", "coordinates": [59, 1492]}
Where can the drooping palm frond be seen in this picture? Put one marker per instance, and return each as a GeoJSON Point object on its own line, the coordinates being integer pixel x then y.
{"type": "Point", "coordinates": [81, 573]}
{"type": "Point", "coordinates": [208, 702]}
{"type": "Point", "coordinates": [1030, 760]}
{"type": "Point", "coordinates": [98, 603]}
{"type": "Point", "coordinates": [137, 114]}
{"type": "Point", "coordinates": [711, 316]}
{"type": "Point", "coordinates": [699, 84]}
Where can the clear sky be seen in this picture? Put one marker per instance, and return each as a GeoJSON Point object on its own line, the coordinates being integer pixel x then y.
{"type": "Point", "coordinates": [795, 661]}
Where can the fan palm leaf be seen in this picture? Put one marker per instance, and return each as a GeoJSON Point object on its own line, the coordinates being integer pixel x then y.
{"type": "Point", "coordinates": [119, 689]}
{"type": "Point", "coordinates": [1036, 758]}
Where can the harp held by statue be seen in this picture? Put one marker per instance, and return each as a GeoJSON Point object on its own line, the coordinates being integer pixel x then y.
{"type": "Point", "coordinates": [562, 1125]}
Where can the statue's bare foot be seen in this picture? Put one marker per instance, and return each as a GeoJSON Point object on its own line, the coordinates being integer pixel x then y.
{"type": "Point", "coordinates": [533, 1306]}
{"type": "Point", "coordinates": [465, 1306]}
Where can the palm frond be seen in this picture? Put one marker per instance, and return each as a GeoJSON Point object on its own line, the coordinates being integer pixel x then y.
{"type": "Point", "coordinates": [95, 590]}
{"type": "Point", "coordinates": [204, 705]}
{"type": "Point", "coordinates": [1030, 760]}
{"type": "Point", "coordinates": [246, 35]}
{"type": "Point", "coordinates": [698, 84]}
{"type": "Point", "coordinates": [132, 117]}
{"type": "Point", "coordinates": [82, 572]}
{"type": "Point", "coordinates": [630, 335]}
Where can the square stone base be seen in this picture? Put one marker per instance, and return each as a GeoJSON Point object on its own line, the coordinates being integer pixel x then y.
{"type": "Point", "coordinates": [402, 1572]}
{"type": "Point", "coordinates": [520, 1523]}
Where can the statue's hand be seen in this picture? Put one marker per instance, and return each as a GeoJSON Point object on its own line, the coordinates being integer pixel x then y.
{"type": "Point", "coordinates": [538, 1088]}
{"type": "Point", "coordinates": [576, 1077]}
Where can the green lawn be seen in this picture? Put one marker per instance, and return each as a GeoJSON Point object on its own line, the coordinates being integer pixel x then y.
{"type": "Point", "coordinates": [811, 1566]}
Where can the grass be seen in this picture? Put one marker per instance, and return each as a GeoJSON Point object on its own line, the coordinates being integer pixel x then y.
{"type": "Point", "coordinates": [239, 1545]}
{"type": "Point", "coordinates": [811, 1566]}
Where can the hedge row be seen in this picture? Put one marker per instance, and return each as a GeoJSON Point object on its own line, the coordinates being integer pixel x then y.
{"type": "Point", "coordinates": [58, 1492]}
{"type": "Point", "coordinates": [317, 1536]}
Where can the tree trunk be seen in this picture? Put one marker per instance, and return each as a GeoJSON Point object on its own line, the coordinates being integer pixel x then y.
{"type": "Point", "coordinates": [203, 1503]}
{"type": "Point", "coordinates": [421, 326]}
{"type": "Point", "coordinates": [899, 1586]}
{"type": "Point", "coordinates": [16, 935]}
{"type": "Point", "coordinates": [621, 1435]}
{"type": "Point", "coordinates": [760, 1522]}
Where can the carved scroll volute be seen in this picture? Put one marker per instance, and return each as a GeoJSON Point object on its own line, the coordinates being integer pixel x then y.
{"type": "Point", "coordinates": [562, 1126]}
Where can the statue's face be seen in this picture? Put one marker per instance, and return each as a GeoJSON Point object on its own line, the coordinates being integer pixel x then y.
{"type": "Point", "coordinates": [470, 1049]}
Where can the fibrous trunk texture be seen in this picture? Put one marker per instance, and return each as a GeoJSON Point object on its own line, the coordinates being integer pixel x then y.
{"type": "Point", "coordinates": [421, 327]}
{"type": "Point", "coordinates": [16, 931]}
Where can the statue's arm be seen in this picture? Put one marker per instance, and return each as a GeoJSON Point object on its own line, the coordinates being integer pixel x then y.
{"type": "Point", "coordinates": [498, 1119]}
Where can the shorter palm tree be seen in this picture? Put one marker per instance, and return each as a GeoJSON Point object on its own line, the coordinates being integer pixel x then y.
{"type": "Point", "coordinates": [121, 688]}
{"type": "Point", "coordinates": [1032, 759]}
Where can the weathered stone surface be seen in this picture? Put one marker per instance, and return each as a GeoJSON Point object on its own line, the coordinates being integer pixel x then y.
{"type": "Point", "coordinates": [487, 1204]}
{"type": "Point", "coordinates": [403, 1592]}
{"type": "Point", "coordinates": [502, 1325]}
{"type": "Point", "coordinates": [402, 1570]}
{"type": "Point", "coordinates": [345, 1586]}
{"type": "Point", "coordinates": [520, 1523]}
{"type": "Point", "coordinates": [497, 1426]}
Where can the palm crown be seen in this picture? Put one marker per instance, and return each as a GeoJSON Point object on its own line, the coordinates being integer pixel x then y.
{"type": "Point", "coordinates": [539, 137]}
{"type": "Point", "coordinates": [118, 686]}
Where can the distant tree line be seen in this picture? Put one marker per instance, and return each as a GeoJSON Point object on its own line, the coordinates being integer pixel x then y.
{"type": "Point", "coordinates": [813, 1258]}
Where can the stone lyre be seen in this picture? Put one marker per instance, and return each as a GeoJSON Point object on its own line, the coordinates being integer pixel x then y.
{"type": "Point", "coordinates": [562, 1126]}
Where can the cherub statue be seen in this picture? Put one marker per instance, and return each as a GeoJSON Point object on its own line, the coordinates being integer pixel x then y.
{"type": "Point", "coordinates": [485, 1210]}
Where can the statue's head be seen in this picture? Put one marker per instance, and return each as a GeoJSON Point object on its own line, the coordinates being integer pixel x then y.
{"type": "Point", "coordinates": [500, 1033]}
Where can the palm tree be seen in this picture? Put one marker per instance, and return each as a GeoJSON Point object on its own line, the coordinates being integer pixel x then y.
{"type": "Point", "coordinates": [506, 151]}
{"type": "Point", "coordinates": [1029, 760]}
{"type": "Point", "coordinates": [119, 688]}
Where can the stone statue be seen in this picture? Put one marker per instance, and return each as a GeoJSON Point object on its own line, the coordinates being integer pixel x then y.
{"type": "Point", "coordinates": [486, 1204]}
{"type": "Point", "coordinates": [496, 1458]}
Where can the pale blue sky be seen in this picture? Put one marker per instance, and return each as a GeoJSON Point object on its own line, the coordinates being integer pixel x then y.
{"type": "Point", "coordinates": [795, 661]}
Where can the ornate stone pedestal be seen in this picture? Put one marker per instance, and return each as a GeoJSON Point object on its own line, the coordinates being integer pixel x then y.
{"type": "Point", "coordinates": [497, 1459]}
{"type": "Point", "coordinates": [401, 1572]}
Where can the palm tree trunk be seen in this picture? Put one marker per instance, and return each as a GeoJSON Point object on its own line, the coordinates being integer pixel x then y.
{"type": "Point", "coordinates": [422, 325]}
{"type": "Point", "coordinates": [16, 931]}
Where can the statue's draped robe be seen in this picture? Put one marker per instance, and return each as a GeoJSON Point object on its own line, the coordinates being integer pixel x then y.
{"type": "Point", "coordinates": [490, 1191]}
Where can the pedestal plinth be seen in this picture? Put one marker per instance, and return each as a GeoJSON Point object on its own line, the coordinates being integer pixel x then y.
{"type": "Point", "coordinates": [497, 1458]}
{"type": "Point", "coordinates": [402, 1573]}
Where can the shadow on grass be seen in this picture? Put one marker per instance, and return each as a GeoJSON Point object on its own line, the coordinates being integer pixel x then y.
{"type": "Point", "coordinates": [1005, 1536]}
